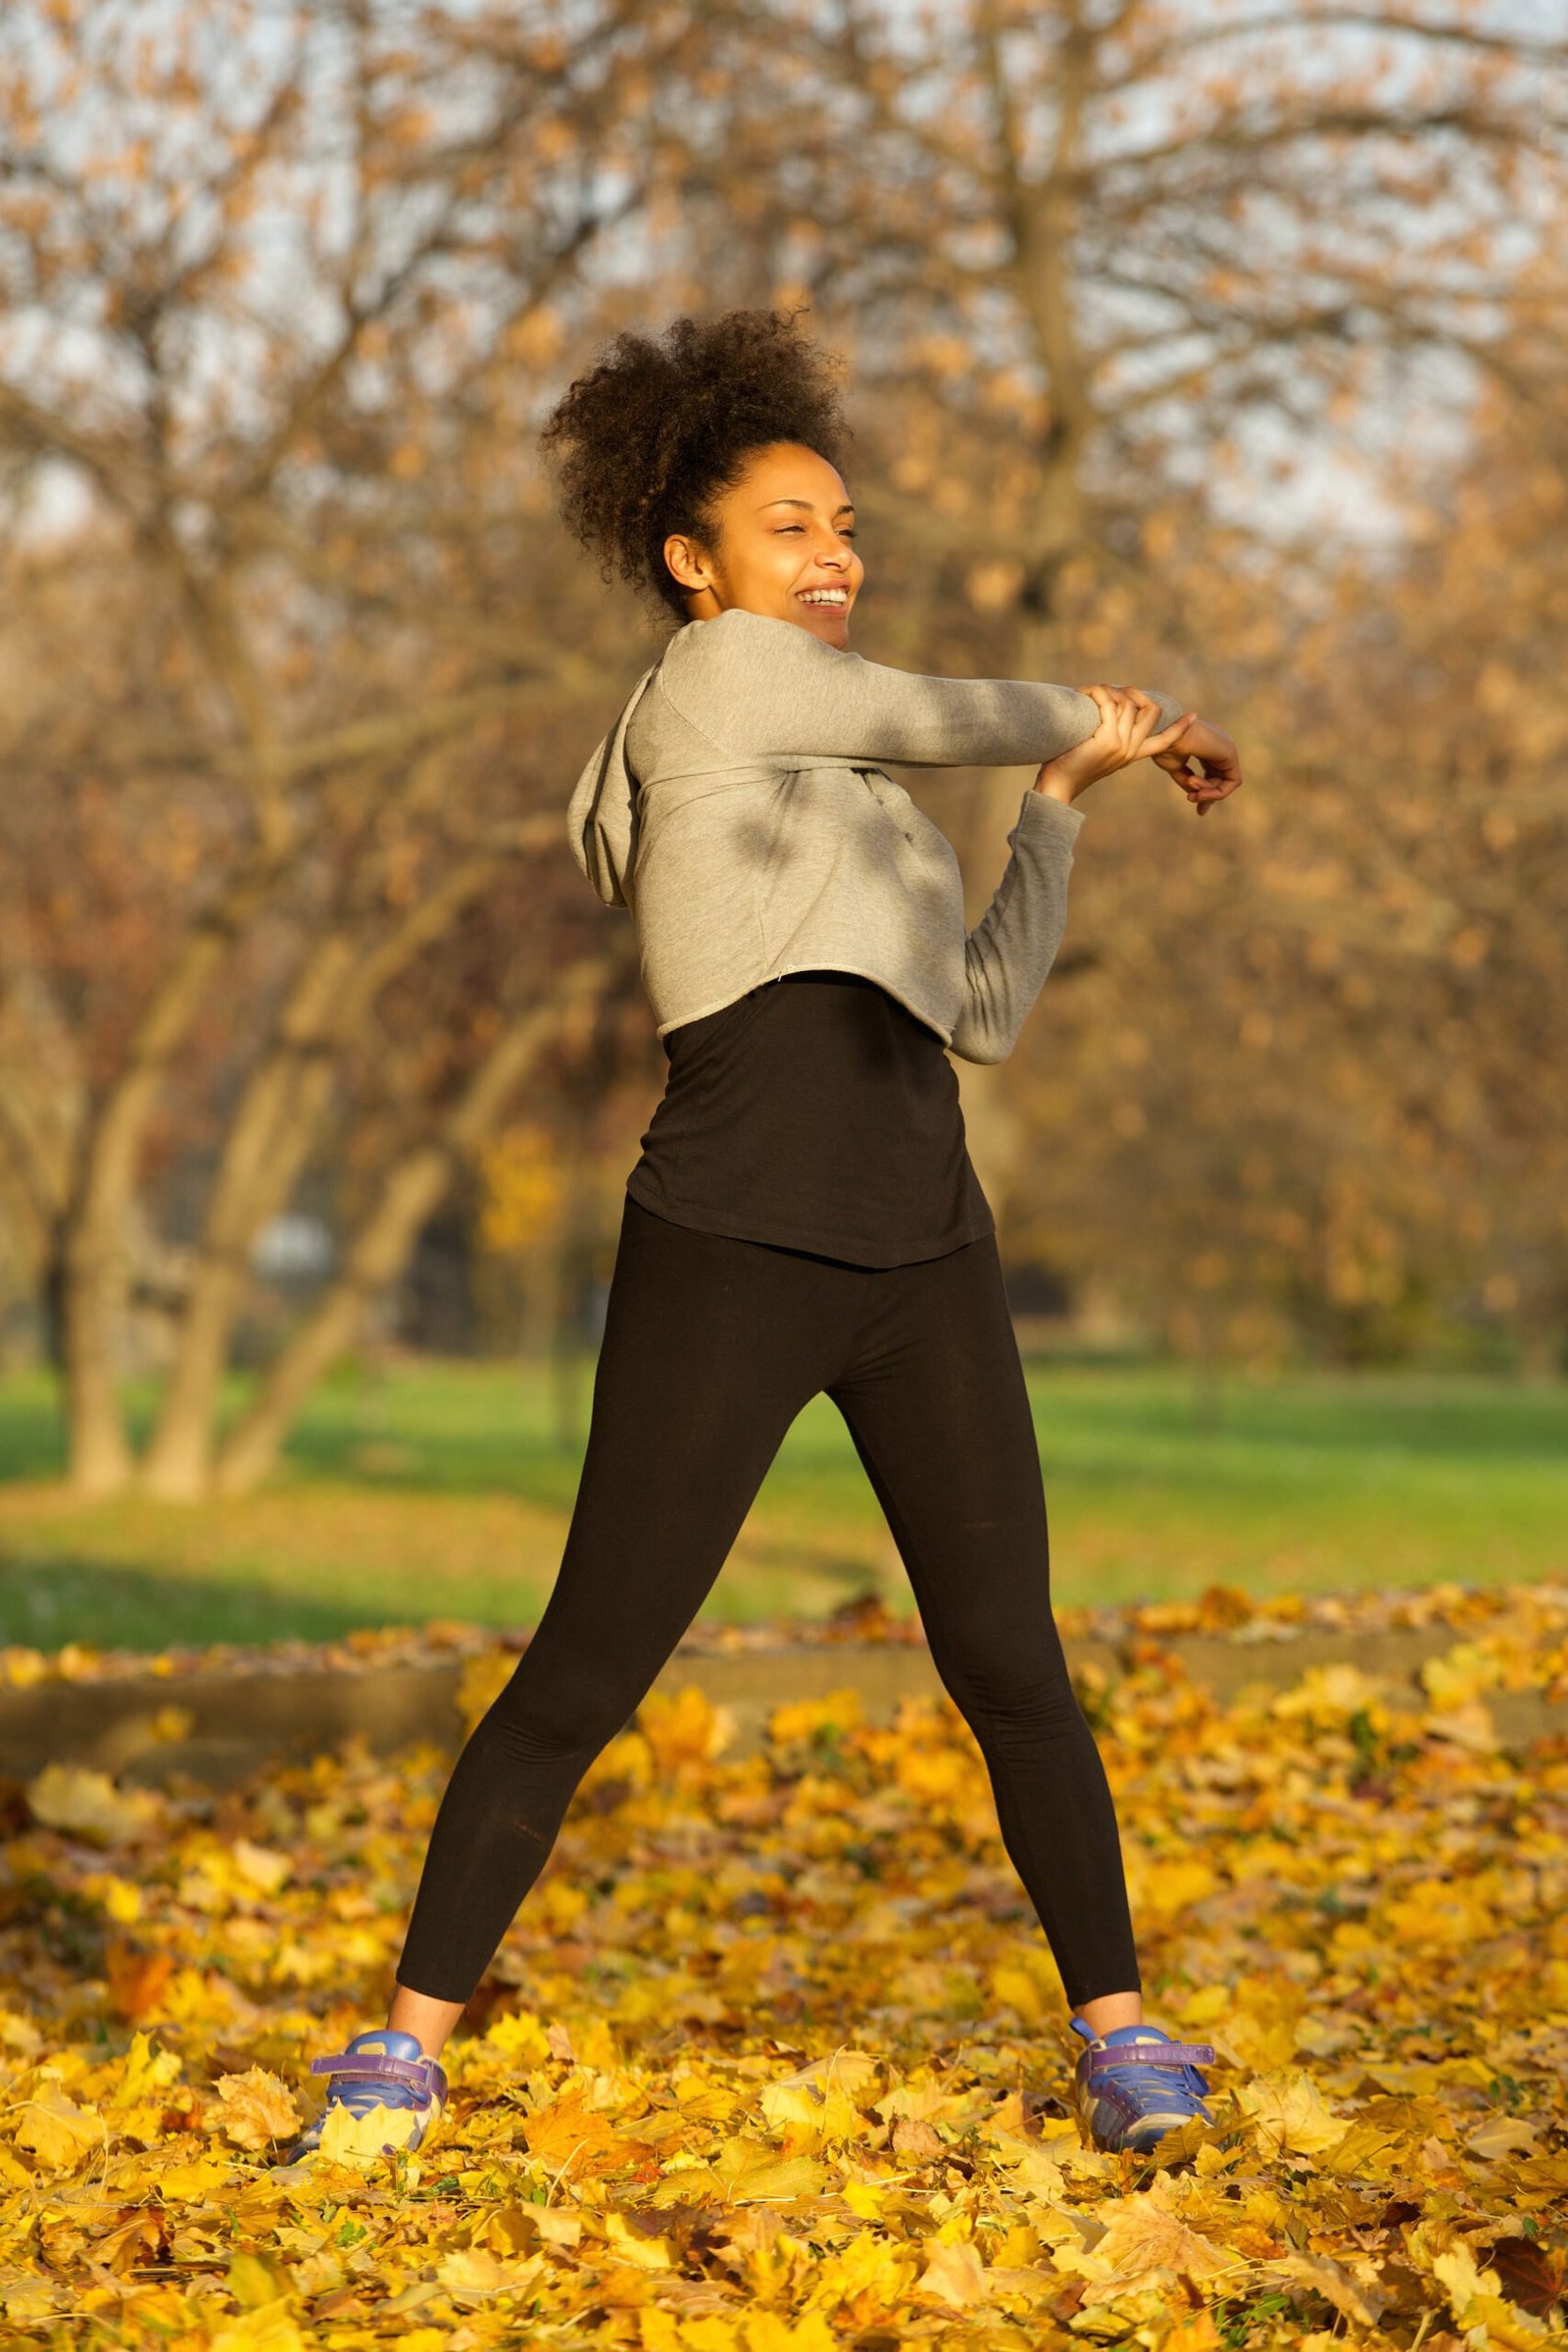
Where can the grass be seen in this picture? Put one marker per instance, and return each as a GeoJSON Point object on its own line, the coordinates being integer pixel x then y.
{"type": "Point", "coordinates": [444, 1488]}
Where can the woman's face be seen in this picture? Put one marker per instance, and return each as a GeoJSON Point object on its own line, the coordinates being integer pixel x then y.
{"type": "Point", "coordinates": [783, 545]}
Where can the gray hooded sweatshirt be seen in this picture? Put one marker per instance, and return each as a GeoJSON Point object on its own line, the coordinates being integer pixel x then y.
{"type": "Point", "coordinates": [737, 809]}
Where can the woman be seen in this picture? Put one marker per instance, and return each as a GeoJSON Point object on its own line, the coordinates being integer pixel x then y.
{"type": "Point", "coordinates": [804, 1216]}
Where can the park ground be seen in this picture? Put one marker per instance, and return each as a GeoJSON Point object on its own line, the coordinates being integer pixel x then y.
{"type": "Point", "coordinates": [775, 2058]}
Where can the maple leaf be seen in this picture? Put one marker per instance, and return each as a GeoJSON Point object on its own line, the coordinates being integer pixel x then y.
{"type": "Point", "coordinates": [1462, 2280]}
{"type": "Point", "coordinates": [350, 2139]}
{"type": "Point", "coordinates": [55, 2130]}
{"type": "Point", "coordinates": [145, 2069]}
{"type": "Point", "coordinates": [257, 2108]}
{"type": "Point", "coordinates": [1332, 1693]}
{"type": "Point", "coordinates": [85, 1803]}
{"type": "Point", "coordinates": [820, 2248]}
{"type": "Point", "coordinates": [1460, 1675]}
{"type": "Point", "coordinates": [1169, 1887]}
{"type": "Point", "coordinates": [565, 2130]}
{"type": "Point", "coordinates": [1145, 2235]}
{"type": "Point", "coordinates": [1197, 2333]}
{"type": "Point", "coordinates": [955, 2275]}
{"type": "Point", "coordinates": [260, 1866]}
{"type": "Point", "coordinates": [1357, 2297]}
{"type": "Point", "coordinates": [847, 2070]}
{"type": "Point", "coordinates": [1289, 2115]}
{"type": "Point", "coordinates": [255, 2283]}
{"type": "Point", "coordinates": [271, 2328]}
{"type": "Point", "coordinates": [647, 2253]}
{"type": "Point", "coordinates": [866, 2279]}
{"type": "Point", "coordinates": [193, 2182]}
{"type": "Point", "coordinates": [136, 1978]}
{"type": "Point", "coordinates": [472, 2274]}
{"type": "Point", "coordinates": [802, 1719]}
{"type": "Point", "coordinates": [751, 2172]}
{"type": "Point", "coordinates": [517, 2037]}
{"type": "Point", "coordinates": [807, 2115]}
{"type": "Point", "coordinates": [687, 1728]}
{"type": "Point", "coordinates": [1019, 1990]}
{"type": "Point", "coordinates": [1504, 2135]}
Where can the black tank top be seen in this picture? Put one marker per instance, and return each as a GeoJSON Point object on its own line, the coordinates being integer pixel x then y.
{"type": "Point", "coordinates": [815, 1112]}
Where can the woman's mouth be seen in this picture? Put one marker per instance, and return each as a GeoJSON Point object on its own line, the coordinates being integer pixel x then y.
{"type": "Point", "coordinates": [835, 600]}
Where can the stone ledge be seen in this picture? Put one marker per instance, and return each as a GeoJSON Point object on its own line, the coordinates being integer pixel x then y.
{"type": "Point", "coordinates": [240, 1719]}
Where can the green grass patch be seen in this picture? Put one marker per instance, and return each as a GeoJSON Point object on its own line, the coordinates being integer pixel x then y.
{"type": "Point", "coordinates": [445, 1490]}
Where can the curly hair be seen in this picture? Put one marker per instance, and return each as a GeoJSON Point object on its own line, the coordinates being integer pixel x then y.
{"type": "Point", "coordinates": [660, 428]}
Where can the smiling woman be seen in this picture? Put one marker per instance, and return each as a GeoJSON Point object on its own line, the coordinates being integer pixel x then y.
{"type": "Point", "coordinates": [804, 1219]}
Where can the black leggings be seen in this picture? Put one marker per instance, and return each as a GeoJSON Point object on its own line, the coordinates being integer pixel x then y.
{"type": "Point", "coordinates": [711, 1349]}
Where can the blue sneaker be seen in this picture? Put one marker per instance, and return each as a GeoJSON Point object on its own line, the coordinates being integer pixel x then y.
{"type": "Point", "coordinates": [1127, 2100]}
{"type": "Point", "coordinates": [379, 2068]}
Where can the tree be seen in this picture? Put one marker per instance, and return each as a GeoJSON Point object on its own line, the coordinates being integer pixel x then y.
{"type": "Point", "coordinates": [1135, 271]}
{"type": "Point", "coordinates": [286, 290]}
{"type": "Point", "coordinates": [311, 529]}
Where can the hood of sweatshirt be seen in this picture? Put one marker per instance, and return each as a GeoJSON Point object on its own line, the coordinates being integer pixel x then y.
{"type": "Point", "coordinates": [602, 816]}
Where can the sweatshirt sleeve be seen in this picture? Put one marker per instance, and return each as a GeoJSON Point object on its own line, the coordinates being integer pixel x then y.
{"type": "Point", "coordinates": [764, 688]}
{"type": "Point", "coordinates": [1012, 949]}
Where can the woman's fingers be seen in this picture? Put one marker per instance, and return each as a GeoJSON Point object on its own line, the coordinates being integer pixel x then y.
{"type": "Point", "coordinates": [1137, 715]}
{"type": "Point", "coordinates": [1203, 758]}
{"type": "Point", "coordinates": [1216, 760]}
{"type": "Point", "coordinates": [1115, 707]}
{"type": "Point", "coordinates": [1168, 736]}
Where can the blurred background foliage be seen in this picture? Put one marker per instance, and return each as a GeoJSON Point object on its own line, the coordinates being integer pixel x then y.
{"type": "Point", "coordinates": [1209, 347]}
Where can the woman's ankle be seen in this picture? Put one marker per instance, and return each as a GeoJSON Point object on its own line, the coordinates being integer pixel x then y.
{"type": "Point", "coordinates": [1109, 2010]}
{"type": "Point", "coordinates": [429, 2021]}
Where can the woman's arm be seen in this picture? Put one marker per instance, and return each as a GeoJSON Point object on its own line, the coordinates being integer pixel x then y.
{"type": "Point", "coordinates": [764, 688]}
{"type": "Point", "coordinates": [1014, 946]}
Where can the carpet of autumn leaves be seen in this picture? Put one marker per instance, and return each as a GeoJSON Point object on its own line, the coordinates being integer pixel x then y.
{"type": "Point", "coordinates": [775, 2059]}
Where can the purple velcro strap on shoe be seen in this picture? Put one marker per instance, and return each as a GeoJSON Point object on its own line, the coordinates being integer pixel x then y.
{"type": "Point", "coordinates": [377, 2066]}
{"type": "Point", "coordinates": [1152, 2053]}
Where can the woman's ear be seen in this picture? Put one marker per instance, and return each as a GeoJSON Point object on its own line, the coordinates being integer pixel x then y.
{"type": "Point", "coordinates": [687, 562]}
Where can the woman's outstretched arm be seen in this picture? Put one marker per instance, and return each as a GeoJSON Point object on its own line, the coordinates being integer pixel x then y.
{"type": "Point", "coordinates": [764, 688]}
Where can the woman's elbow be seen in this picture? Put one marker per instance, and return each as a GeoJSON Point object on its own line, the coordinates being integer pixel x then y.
{"type": "Point", "coordinates": [984, 1046]}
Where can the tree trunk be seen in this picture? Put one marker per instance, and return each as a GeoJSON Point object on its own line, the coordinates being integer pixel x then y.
{"type": "Point", "coordinates": [94, 1254]}
{"type": "Point", "coordinates": [410, 1191]}
{"type": "Point", "coordinates": [93, 1285]}
{"type": "Point", "coordinates": [269, 1142]}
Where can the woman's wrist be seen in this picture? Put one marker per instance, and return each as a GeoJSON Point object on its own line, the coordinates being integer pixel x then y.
{"type": "Point", "coordinates": [1055, 787]}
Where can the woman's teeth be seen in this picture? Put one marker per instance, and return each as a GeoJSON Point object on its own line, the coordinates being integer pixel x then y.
{"type": "Point", "coordinates": [823, 596]}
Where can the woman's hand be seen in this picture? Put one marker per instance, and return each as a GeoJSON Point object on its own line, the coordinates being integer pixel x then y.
{"type": "Point", "coordinates": [1124, 734]}
{"type": "Point", "coordinates": [1217, 758]}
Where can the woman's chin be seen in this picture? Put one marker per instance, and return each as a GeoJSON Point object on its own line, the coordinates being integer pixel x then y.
{"type": "Point", "coordinates": [832, 627]}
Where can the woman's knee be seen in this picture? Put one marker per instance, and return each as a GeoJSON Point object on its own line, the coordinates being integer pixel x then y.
{"type": "Point", "coordinates": [1013, 1695]}
{"type": "Point", "coordinates": [539, 1721]}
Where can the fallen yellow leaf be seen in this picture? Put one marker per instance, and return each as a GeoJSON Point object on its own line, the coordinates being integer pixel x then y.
{"type": "Point", "coordinates": [956, 2275]}
{"type": "Point", "coordinates": [1290, 2114]}
{"type": "Point", "coordinates": [350, 2139]}
{"type": "Point", "coordinates": [472, 2275]}
{"type": "Point", "coordinates": [85, 1803]}
{"type": "Point", "coordinates": [258, 2109]}
{"type": "Point", "coordinates": [55, 2130]}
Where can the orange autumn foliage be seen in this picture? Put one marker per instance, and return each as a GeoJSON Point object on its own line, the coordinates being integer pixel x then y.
{"type": "Point", "coordinates": [774, 2056]}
